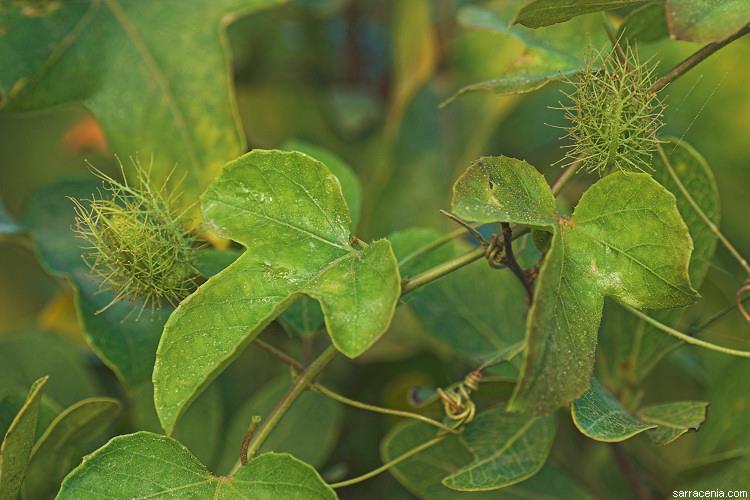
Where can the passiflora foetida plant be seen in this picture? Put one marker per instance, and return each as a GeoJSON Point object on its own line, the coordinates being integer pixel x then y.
{"type": "Point", "coordinates": [359, 263]}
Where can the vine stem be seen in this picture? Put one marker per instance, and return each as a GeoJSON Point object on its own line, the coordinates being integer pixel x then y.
{"type": "Point", "coordinates": [693, 331]}
{"type": "Point", "coordinates": [307, 376]}
{"type": "Point", "coordinates": [714, 229]}
{"type": "Point", "coordinates": [456, 233]}
{"type": "Point", "coordinates": [380, 409]}
{"type": "Point", "coordinates": [629, 472]}
{"type": "Point", "coordinates": [304, 379]}
{"type": "Point", "coordinates": [694, 59]}
{"type": "Point", "coordinates": [685, 337]}
{"type": "Point", "coordinates": [475, 254]}
{"type": "Point", "coordinates": [441, 270]}
{"type": "Point", "coordinates": [392, 463]}
{"type": "Point", "coordinates": [296, 365]}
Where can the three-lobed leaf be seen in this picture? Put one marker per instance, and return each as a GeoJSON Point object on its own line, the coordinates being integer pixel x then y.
{"type": "Point", "coordinates": [113, 56]}
{"type": "Point", "coordinates": [145, 465]}
{"type": "Point", "coordinates": [288, 210]}
{"type": "Point", "coordinates": [626, 240]}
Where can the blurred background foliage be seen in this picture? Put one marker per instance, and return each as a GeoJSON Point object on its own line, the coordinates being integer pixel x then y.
{"type": "Point", "coordinates": [364, 79]}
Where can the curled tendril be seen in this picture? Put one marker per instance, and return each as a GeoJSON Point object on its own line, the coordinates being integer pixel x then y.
{"type": "Point", "coordinates": [494, 252]}
{"type": "Point", "coordinates": [456, 399]}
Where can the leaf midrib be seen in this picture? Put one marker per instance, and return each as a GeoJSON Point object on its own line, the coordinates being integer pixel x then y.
{"type": "Point", "coordinates": [283, 223]}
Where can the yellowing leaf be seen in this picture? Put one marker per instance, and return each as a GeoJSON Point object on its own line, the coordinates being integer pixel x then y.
{"type": "Point", "coordinates": [125, 61]}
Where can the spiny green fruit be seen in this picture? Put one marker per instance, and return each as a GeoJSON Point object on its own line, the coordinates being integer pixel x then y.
{"type": "Point", "coordinates": [138, 243]}
{"type": "Point", "coordinates": [613, 115]}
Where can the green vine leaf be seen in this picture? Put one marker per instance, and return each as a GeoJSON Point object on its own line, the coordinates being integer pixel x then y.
{"type": "Point", "coordinates": [114, 56]}
{"type": "Point", "coordinates": [317, 414]}
{"type": "Point", "coordinates": [63, 444]}
{"type": "Point", "coordinates": [704, 22]}
{"type": "Point", "coordinates": [304, 317]}
{"type": "Point", "coordinates": [507, 449]}
{"type": "Point", "coordinates": [631, 347]}
{"type": "Point", "coordinates": [18, 441]}
{"type": "Point", "coordinates": [644, 24]}
{"type": "Point", "coordinates": [550, 54]}
{"type": "Point", "coordinates": [350, 186]}
{"type": "Point", "coordinates": [144, 465]}
{"type": "Point", "coordinates": [539, 13]}
{"type": "Point", "coordinates": [126, 343]}
{"type": "Point", "coordinates": [27, 357]}
{"type": "Point", "coordinates": [673, 419]}
{"type": "Point", "coordinates": [625, 240]}
{"type": "Point", "coordinates": [13, 399]}
{"type": "Point", "coordinates": [423, 473]}
{"type": "Point", "coordinates": [600, 416]}
{"type": "Point", "coordinates": [289, 211]}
